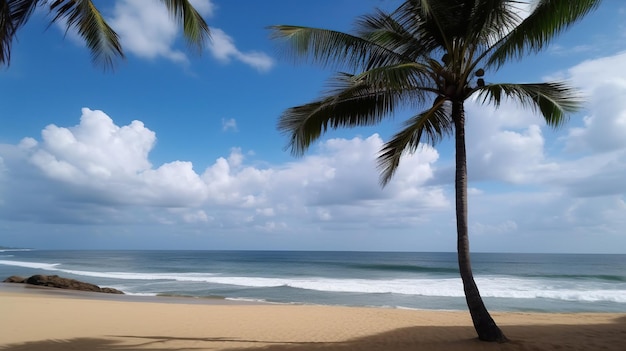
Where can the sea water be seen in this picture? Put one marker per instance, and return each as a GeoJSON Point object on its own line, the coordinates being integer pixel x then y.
{"type": "Point", "coordinates": [507, 282]}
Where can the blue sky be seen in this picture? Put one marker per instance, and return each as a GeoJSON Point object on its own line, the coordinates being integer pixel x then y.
{"type": "Point", "coordinates": [180, 151]}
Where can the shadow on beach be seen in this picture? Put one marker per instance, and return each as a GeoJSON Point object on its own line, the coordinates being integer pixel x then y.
{"type": "Point", "coordinates": [530, 337]}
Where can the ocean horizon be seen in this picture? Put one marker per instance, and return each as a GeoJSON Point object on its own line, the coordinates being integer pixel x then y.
{"type": "Point", "coordinates": [411, 280]}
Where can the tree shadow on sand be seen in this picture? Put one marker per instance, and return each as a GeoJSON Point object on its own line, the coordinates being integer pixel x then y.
{"type": "Point", "coordinates": [608, 337]}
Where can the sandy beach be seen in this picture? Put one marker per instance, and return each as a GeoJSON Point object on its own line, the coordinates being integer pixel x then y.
{"type": "Point", "coordinates": [46, 319]}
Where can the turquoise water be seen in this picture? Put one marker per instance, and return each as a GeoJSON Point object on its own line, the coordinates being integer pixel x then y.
{"type": "Point", "coordinates": [508, 282]}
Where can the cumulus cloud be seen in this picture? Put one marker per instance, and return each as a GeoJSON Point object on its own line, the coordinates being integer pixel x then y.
{"type": "Point", "coordinates": [102, 171]}
{"type": "Point", "coordinates": [97, 172]}
{"type": "Point", "coordinates": [504, 144]}
{"type": "Point", "coordinates": [568, 184]}
{"type": "Point", "coordinates": [223, 48]}
{"type": "Point", "coordinates": [605, 85]}
{"type": "Point", "coordinates": [78, 150]}
{"type": "Point", "coordinates": [596, 148]}
{"type": "Point", "coordinates": [568, 191]}
{"type": "Point", "coordinates": [509, 144]}
{"type": "Point", "coordinates": [146, 29]}
{"type": "Point", "coordinates": [339, 178]}
{"type": "Point", "coordinates": [105, 163]}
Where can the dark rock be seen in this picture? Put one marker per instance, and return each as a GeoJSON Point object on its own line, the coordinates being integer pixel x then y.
{"type": "Point", "coordinates": [111, 291]}
{"type": "Point", "coordinates": [63, 283]}
{"type": "Point", "coordinates": [15, 279]}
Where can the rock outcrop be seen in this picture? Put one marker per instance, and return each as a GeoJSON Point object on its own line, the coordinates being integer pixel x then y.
{"type": "Point", "coordinates": [59, 282]}
{"type": "Point", "coordinates": [15, 279]}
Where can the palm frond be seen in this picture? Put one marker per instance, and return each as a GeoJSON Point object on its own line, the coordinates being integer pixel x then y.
{"type": "Point", "coordinates": [13, 15]}
{"type": "Point", "coordinates": [547, 19]}
{"type": "Point", "coordinates": [384, 30]}
{"type": "Point", "coordinates": [196, 30]}
{"type": "Point", "coordinates": [100, 38]}
{"type": "Point", "coordinates": [20, 10]}
{"type": "Point", "coordinates": [490, 20]}
{"type": "Point", "coordinates": [331, 48]}
{"type": "Point", "coordinates": [554, 100]}
{"type": "Point", "coordinates": [404, 77]}
{"type": "Point", "coordinates": [352, 102]}
{"type": "Point", "coordinates": [434, 21]}
{"type": "Point", "coordinates": [430, 126]}
{"type": "Point", "coordinates": [7, 31]}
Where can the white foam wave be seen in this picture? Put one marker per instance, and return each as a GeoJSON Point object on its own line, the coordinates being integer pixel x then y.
{"type": "Point", "coordinates": [497, 287]}
{"type": "Point", "coordinates": [35, 265]}
{"type": "Point", "coordinates": [241, 299]}
{"type": "Point", "coordinates": [138, 294]}
{"type": "Point", "coordinates": [189, 277]}
{"type": "Point", "coordinates": [199, 277]}
{"type": "Point", "coordinates": [490, 287]}
{"type": "Point", "coordinates": [567, 291]}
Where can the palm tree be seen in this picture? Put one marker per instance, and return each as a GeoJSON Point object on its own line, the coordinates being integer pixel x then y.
{"type": "Point", "coordinates": [83, 16]}
{"type": "Point", "coordinates": [431, 55]}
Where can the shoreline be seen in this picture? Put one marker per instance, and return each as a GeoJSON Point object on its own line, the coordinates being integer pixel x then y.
{"type": "Point", "coordinates": [29, 289]}
{"type": "Point", "coordinates": [525, 283]}
{"type": "Point", "coordinates": [220, 300]}
{"type": "Point", "coordinates": [35, 318]}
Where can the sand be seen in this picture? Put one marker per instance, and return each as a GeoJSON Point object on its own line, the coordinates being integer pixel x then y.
{"type": "Point", "coordinates": [45, 319]}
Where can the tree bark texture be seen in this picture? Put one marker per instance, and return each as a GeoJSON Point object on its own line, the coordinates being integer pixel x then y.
{"type": "Point", "coordinates": [483, 323]}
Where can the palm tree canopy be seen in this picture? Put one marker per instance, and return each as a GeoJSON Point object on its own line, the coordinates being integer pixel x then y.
{"type": "Point", "coordinates": [83, 16]}
{"type": "Point", "coordinates": [427, 55]}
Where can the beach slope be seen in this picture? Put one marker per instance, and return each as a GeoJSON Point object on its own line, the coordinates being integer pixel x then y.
{"type": "Point", "coordinates": [40, 319]}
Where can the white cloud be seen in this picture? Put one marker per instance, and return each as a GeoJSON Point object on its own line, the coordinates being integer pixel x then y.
{"type": "Point", "coordinates": [605, 85]}
{"type": "Point", "coordinates": [204, 7]}
{"type": "Point", "coordinates": [101, 168]}
{"type": "Point", "coordinates": [79, 148]}
{"type": "Point", "coordinates": [568, 191]}
{"type": "Point", "coordinates": [105, 163]}
{"type": "Point", "coordinates": [223, 48]}
{"type": "Point", "coordinates": [508, 144]}
{"type": "Point", "coordinates": [99, 172]}
{"type": "Point", "coordinates": [504, 144]}
{"type": "Point", "coordinates": [229, 124]}
{"type": "Point", "coordinates": [146, 29]}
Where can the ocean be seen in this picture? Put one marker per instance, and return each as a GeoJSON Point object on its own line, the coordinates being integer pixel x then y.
{"type": "Point", "coordinates": [507, 282]}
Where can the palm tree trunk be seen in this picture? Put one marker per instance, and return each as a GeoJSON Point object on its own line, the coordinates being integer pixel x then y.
{"type": "Point", "coordinates": [483, 323]}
